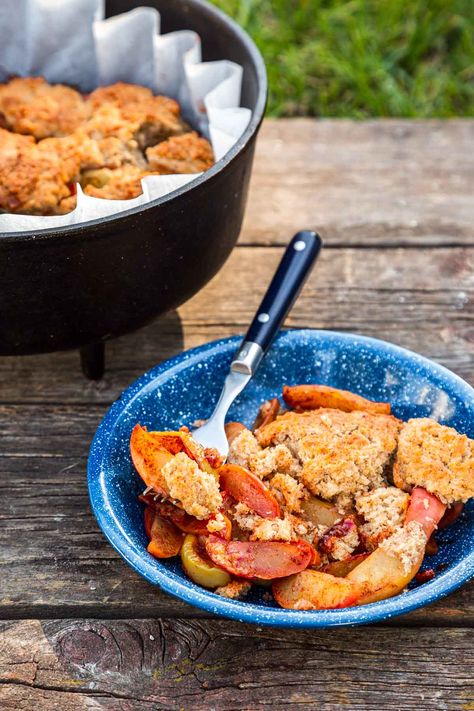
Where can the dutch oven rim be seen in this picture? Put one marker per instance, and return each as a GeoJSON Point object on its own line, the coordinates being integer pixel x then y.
{"type": "Point", "coordinates": [77, 230]}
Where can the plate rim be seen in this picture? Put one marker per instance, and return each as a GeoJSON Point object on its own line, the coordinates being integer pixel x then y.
{"type": "Point", "coordinates": [240, 611]}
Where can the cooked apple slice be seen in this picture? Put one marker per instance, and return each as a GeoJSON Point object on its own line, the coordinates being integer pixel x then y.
{"type": "Point", "coordinates": [377, 577]}
{"type": "Point", "coordinates": [182, 441]}
{"type": "Point", "coordinates": [150, 451]}
{"type": "Point", "coordinates": [267, 413]}
{"type": "Point", "coordinates": [382, 575]}
{"type": "Point", "coordinates": [148, 516]}
{"type": "Point", "coordinates": [311, 397]}
{"type": "Point", "coordinates": [166, 539]}
{"type": "Point", "coordinates": [248, 489]}
{"type": "Point", "coordinates": [319, 512]}
{"type": "Point", "coordinates": [259, 559]}
{"type": "Point", "coordinates": [451, 515]}
{"type": "Point", "coordinates": [200, 569]}
{"type": "Point", "coordinates": [184, 521]}
{"type": "Point", "coordinates": [425, 508]}
{"type": "Point", "coordinates": [341, 568]}
{"type": "Point", "coordinates": [213, 457]}
{"type": "Point", "coordinates": [149, 457]}
{"type": "Point", "coordinates": [313, 590]}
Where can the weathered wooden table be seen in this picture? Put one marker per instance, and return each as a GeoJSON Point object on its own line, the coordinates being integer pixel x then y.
{"type": "Point", "coordinates": [80, 630]}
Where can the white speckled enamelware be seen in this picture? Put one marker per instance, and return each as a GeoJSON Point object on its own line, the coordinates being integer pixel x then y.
{"type": "Point", "coordinates": [186, 387]}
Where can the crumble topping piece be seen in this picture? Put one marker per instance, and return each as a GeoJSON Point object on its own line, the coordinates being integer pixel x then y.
{"type": "Point", "coordinates": [121, 184]}
{"type": "Point", "coordinates": [244, 517]}
{"type": "Point", "coordinates": [289, 528]}
{"type": "Point", "coordinates": [34, 177]}
{"type": "Point", "coordinates": [216, 524]}
{"type": "Point", "coordinates": [196, 490]}
{"type": "Point", "coordinates": [242, 447]}
{"type": "Point", "coordinates": [30, 105]}
{"type": "Point", "coordinates": [436, 458]}
{"type": "Point", "coordinates": [235, 590]}
{"type": "Point", "coordinates": [341, 452]}
{"type": "Point", "coordinates": [273, 459]}
{"type": "Point", "coordinates": [272, 529]}
{"type": "Point", "coordinates": [188, 153]}
{"type": "Point", "coordinates": [407, 544]}
{"type": "Point", "coordinates": [384, 511]}
{"type": "Point", "coordinates": [288, 491]}
{"type": "Point", "coordinates": [341, 540]}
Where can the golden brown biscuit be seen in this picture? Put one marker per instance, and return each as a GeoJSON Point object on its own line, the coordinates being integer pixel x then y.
{"type": "Point", "coordinates": [437, 458]}
{"type": "Point", "coordinates": [120, 94]}
{"type": "Point", "coordinates": [383, 510]}
{"type": "Point", "coordinates": [130, 111]}
{"type": "Point", "coordinates": [98, 140]}
{"type": "Point", "coordinates": [341, 453]}
{"type": "Point", "coordinates": [36, 178]}
{"type": "Point", "coordinates": [34, 107]}
{"type": "Point", "coordinates": [121, 184]}
{"type": "Point", "coordinates": [107, 121]}
{"type": "Point", "coordinates": [188, 153]}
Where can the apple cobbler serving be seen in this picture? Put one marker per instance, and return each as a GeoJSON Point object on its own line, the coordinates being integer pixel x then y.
{"type": "Point", "coordinates": [52, 137]}
{"type": "Point", "coordinates": [330, 503]}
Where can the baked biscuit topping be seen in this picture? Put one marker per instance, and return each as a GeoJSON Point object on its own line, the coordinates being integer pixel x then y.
{"type": "Point", "coordinates": [437, 458]}
{"type": "Point", "coordinates": [101, 140]}
{"type": "Point", "coordinates": [340, 452]}
{"type": "Point", "coordinates": [33, 107]}
{"type": "Point", "coordinates": [196, 490]}
{"type": "Point", "coordinates": [305, 500]}
{"type": "Point", "coordinates": [384, 511]}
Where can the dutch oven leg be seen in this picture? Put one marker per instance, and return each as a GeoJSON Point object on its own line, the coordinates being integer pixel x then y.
{"type": "Point", "coordinates": [93, 360]}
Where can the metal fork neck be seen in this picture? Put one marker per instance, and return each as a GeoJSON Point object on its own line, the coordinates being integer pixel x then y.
{"type": "Point", "coordinates": [247, 358]}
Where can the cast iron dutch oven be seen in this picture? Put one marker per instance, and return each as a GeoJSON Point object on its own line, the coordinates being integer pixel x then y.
{"type": "Point", "coordinates": [76, 287]}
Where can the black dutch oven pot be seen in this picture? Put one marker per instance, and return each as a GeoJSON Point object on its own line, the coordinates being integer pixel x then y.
{"type": "Point", "coordinates": [76, 287]}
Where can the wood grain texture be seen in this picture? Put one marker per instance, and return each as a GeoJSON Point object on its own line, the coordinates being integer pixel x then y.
{"type": "Point", "coordinates": [370, 182]}
{"type": "Point", "coordinates": [207, 664]}
{"type": "Point", "coordinates": [393, 201]}
{"type": "Point", "coordinates": [419, 298]}
{"type": "Point", "coordinates": [55, 562]}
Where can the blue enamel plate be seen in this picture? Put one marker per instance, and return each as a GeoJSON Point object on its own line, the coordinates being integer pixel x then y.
{"type": "Point", "coordinates": [186, 388]}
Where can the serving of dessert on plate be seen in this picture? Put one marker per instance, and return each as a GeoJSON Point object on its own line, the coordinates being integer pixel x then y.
{"type": "Point", "coordinates": [53, 137]}
{"type": "Point", "coordinates": [332, 503]}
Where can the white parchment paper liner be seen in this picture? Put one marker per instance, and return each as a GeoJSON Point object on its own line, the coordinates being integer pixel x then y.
{"type": "Point", "coordinates": [70, 42]}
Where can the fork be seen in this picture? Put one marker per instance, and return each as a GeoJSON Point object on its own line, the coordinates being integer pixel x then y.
{"type": "Point", "coordinates": [295, 266]}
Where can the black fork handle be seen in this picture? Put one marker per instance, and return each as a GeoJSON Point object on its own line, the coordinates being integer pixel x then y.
{"type": "Point", "coordinates": [292, 272]}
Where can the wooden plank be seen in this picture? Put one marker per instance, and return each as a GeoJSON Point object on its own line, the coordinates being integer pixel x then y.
{"type": "Point", "coordinates": [182, 664]}
{"type": "Point", "coordinates": [421, 299]}
{"type": "Point", "coordinates": [368, 182]}
{"type": "Point", "coordinates": [55, 562]}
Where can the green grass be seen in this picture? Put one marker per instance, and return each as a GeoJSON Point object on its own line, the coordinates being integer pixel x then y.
{"type": "Point", "coordinates": [363, 58]}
